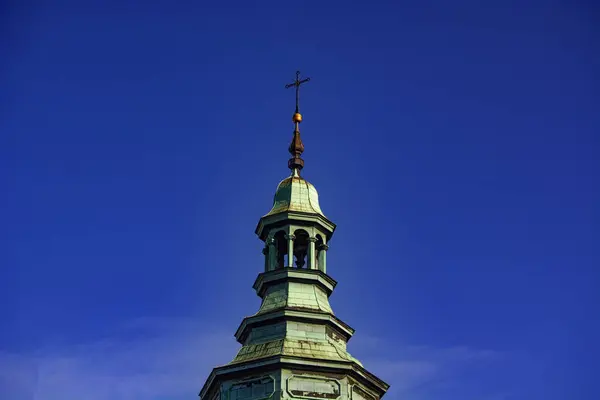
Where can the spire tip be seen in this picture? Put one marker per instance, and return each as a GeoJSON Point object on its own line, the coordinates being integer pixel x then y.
{"type": "Point", "coordinates": [296, 163]}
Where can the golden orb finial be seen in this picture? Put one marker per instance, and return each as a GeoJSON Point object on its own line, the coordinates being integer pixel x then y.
{"type": "Point", "coordinates": [297, 117]}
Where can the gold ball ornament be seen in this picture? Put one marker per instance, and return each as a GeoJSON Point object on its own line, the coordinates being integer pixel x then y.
{"type": "Point", "coordinates": [297, 117]}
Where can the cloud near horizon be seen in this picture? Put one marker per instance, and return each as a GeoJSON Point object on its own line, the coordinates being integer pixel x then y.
{"type": "Point", "coordinates": [169, 359]}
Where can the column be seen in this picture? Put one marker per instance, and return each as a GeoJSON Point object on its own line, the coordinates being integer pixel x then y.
{"type": "Point", "coordinates": [290, 239]}
{"type": "Point", "coordinates": [272, 254]}
{"type": "Point", "coordinates": [322, 258]}
{"type": "Point", "coordinates": [311, 253]}
{"type": "Point", "coordinates": [265, 252]}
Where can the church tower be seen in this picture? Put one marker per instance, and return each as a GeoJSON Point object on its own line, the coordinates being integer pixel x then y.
{"type": "Point", "coordinates": [294, 347]}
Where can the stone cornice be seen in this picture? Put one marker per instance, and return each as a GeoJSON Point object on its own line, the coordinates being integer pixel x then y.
{"type": "Point", "coordinates": [297, 217]}
{"type": "Point", "coordinates": [314, 276]}
{"type": "Point", "coordinates": [293, 314]}
{"type": "Point", "coordinates": [255, 366]}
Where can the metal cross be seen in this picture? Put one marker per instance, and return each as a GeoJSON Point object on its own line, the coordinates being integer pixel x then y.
{"type": "Point", "coordinates": [297, 84]}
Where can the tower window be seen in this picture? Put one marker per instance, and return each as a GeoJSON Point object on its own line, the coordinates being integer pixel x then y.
{"type": "Point", "coordinates": [301, 248]}
{"type": "Point", "coordinates": [281, 248]}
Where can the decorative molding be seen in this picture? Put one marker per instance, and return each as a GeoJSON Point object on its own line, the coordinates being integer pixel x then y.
{"type": "Point", "coordinates": [353, 370]}
{"type": "Point", "coordinates": [357, 393]}
{"type": "Point", "coordinates": [266, 279]}
{"type": "Point", "coordinates": [269, 223]}
{"type": "Point", "coordinates": [252, 389]}
{"type": "Point", "coordinates": [313, 387]}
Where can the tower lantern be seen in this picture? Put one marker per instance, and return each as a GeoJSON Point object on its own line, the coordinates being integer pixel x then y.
{"type": "Point", "coordinates": [294, 347]}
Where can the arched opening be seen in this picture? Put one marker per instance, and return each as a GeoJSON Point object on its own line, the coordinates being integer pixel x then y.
{"type": "Point", "coordinates": [318, 246]}
{"type": "Point", "coordinates": [281, 249]}
{"type": "Point", "coordinates": [301, 248]}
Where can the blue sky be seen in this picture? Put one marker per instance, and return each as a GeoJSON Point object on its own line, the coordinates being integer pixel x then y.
{"type": "Point", "coordinates": [453, 143]}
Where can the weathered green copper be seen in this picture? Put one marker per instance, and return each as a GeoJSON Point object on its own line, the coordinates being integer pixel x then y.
{"type": "Point", "coordinates": [296, 194]}
{"type": "Point", "coordinates": [294, 347]}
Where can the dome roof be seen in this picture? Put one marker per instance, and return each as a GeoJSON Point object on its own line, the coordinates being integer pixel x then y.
{"type": "Point", "coordinates": [296, 194]}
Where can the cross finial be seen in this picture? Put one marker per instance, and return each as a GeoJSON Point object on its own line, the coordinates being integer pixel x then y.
{"type": "Point", "coordinates": [296, 163]}
{"type": "Point", "coordinates": [297, 84]}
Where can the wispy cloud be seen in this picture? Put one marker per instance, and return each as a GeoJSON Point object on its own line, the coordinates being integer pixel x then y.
{"type": "Point", "coordinates": [160, 359]}
{"type": "Point", "coordinates": [169, 359]}
{"type": "Point", "coordinates": [421, 372]}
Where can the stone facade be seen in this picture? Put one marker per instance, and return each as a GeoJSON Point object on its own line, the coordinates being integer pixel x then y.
{"type": "Point", "coordinates": [293, 384]}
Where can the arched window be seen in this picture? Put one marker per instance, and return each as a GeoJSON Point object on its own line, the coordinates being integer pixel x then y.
{"type": "Point", "coordinates": [281, 248]}
{"type": "Point", "coordinates": [300, 247]}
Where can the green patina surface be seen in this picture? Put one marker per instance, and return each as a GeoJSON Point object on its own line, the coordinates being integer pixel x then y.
{"type": "Point", "coordinates": [295, 295]}
{"type": "Point", "coordinates": [293, 338]}
{"type": "Point", "coordinates": [296, 194]}
{"type": "Point", "coordinates": [295, 318]}
{"type": "Point", "coordinates": [293, 346]}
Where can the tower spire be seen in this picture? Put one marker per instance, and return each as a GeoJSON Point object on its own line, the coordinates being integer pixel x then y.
{"type": "Point", "coordinates": [294, 347]}
{"type": "Point", "coordinates": [296, 163]}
